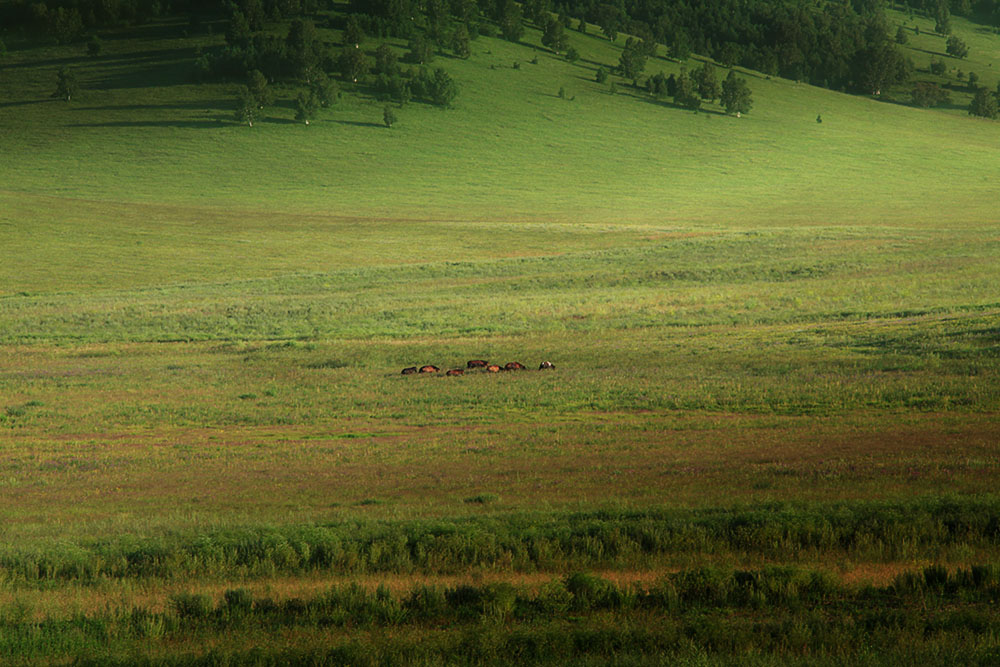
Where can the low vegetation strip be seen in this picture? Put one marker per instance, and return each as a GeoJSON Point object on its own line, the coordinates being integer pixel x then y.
{"type": "Point", "coordinates": [791, 614]}
{"type": "Point", "coordinates": [927, 528]}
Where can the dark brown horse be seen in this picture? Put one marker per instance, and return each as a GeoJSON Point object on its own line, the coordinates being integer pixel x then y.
{"type": "Point", "coordinates": [411, 369]}
{"type": "Point", "coordinates": [513, 366]}
{"type": "Point", "coordinates": [476, 363]}
{"type": "Point", "coordinates": [455, 371]}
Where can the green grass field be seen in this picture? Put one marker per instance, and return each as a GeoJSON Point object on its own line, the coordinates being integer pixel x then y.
{"type": "Point", "coordinates": [772, 432]}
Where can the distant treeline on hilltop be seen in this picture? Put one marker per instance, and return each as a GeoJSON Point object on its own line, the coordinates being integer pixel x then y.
{"type": "Point", "coordinates": [841, 45]}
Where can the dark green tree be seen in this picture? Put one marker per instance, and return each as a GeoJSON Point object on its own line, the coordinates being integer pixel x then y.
{"type": "Point", "coordinates": [973, 80]}
{"type": "Point", "coordinates": [554, 35]}
{"type": "Point", "coordinates": [707, 82]}
{"type": "Point", "coordinates": [460, 42]}
{"type": "Point", "coordinates": [306, 107]}
{"type": "Point", "coordinates": [324, 90]}
{"type": "Point", "coordinates": [511, 21]}
{"type": "Point", "coordinates": [984, 104]}
{"type": "Point", "coordinates": [353, 34]}
{"type": "Point", "coordinates": [572, 55]}
{"type": "Point", "coordinates": [300, 45]}
{"type": "Point", "coordinates": [581, 27]}
{"type": "Point", "coordinates": [388, 116]}
{"type": "Point", "coordinates": [686, 92]}
{"type": "Point", "coordinates": [442, 89]}
{"type": "Point", "coordinates": [901, 37]}
{"type": "Point", "coordinates": [246, 106]}
{"type": "Point", "coordinates": [942, 22]}
{"type": "Point", "coordinates": [938, 67]}
{"type": "Point", "coordinates": [657, 86]}
{"type": "Point", "coordinates": [94, 46]}
{"type": "Point", "coordinates": [259, 90]}
{"type": "Point", "coordinates": [956, 47]}
{"type": "Point", "coordinates": [421, 50]}
{"type": "Point", "coordinates": [66, 84]}
{"type": "Point", "coordinates": [353, 64]}
{"type": "Point", "coordinates": [632, 60]}
{"type": "Point", "coordinates": [386, 61]}
{"type": "Point", "coordinates": [602, 75]}
{"type": "Point", "coordinates": [680, 46]}
{"type": "Point", "coordinates": [926, 94]}
{"type": "Point", "coordinates": [238, 33]}
{"type": "Point", "coordinates": [736, 97]}
{"type": "Point", "coordinates": [878, 66]}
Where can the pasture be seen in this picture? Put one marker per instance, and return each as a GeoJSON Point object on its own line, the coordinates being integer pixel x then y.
{"type": "Point", "coordinates": [771, 435]}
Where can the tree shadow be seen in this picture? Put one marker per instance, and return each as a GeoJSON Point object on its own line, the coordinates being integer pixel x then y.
{"type": "Point", "coordinates": [203, 104]}
{"type": "Point", "coordinates": [270, 120]}
{"type": "Point", "coordinates": [358, 123]}
{"type": "Point", "coordinates": [216, 122]}
{"type": "Point", "coordinates": [107, 59]}
{"type": "Point", "coordinates": [24, 103]}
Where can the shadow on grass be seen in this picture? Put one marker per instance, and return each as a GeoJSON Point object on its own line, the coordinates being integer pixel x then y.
{"type": "Point", "coordinates": [189, 124]}
{"type": "Point", "coordinates": [203, 104]}
{"type": "Point", "coordinates": [24, 103]}
{"type": "Point", "coordinates": [358, 123]}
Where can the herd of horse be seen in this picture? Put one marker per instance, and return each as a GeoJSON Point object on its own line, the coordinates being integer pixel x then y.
{"type": "Point", "coordinates": [477, 364]}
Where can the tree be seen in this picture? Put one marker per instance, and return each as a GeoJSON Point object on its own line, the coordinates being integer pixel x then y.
{"type": "Point", "coordinates": [680, 46]}
{"type": "Point", "coordinates": [94, 46]}
{"type": "Point", "coordinates": [984, 104]}
{"type": "Point", "coordinates": [708, 84]}
{"type": "Point", "coordinates": [878, 66]}
{"type": "Point", "coordinates": [460, 42]}
{"type": "Point", "coordinates": [246, 106]}
{"type": "Point", "coordinates": [657, 86]}
{"type": "Point", "coordinates": [353, 34]}
{"type": "Point", "coordinates": [956, 47]}
{"type": "Point", "coordinates": [736, 96]}
{"type": "Point", "coordinates": [926, 94]}
{"type": "Point", "coordinates": [942, 22]}
{"type": "Point", "coordinates": [572, 55]}
{"type": "Point", "coordinates": [257, 85]}
{"type": "Point", "coordinates": [901, 37]}
{"type": "Point", "coordinates": [386, 61]}
{"type": "Point", "coordinates": [306, 107]}
{"type": "Point", "coordinates": [602, 75]}
{"type": "Point", "coordinates": [685, 93]}
{"type": "Point", "coordinates": [510, 20]}
{"type": "Point", "coordinates": [66, 84]}
{"type": "Point", "coordinates": [554, 36]}
{"type": "Point", "coordinates": [421, 50]}
{"type": "Point", "coordinates": [354, 64]}
{"type": "Point", "coordinates": [938, 67]}
{"type": "Point", "coordinates": [301, 46]}
{"type": "Point", "coordinates": [324, 90]}
{"type": "Point", "coordinates": [442, 88]}
{"type": "Point", "coordinates": [388, 117]}
{"type": "Point", "coordinates": [973, 80]}
{"type": "Point", "coordinates": [632, 61]}
{"type": "Point", "coordinates": [238, 33]}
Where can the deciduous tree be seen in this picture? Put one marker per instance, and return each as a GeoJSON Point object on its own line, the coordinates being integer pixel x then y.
{"type": "Point", "coordinates": [736, 97]}
{"type": "Point", "coordinates": [66, 84]}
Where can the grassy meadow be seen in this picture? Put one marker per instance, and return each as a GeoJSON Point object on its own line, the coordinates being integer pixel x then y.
{"type": "Point", "coordinates": [771, 436]}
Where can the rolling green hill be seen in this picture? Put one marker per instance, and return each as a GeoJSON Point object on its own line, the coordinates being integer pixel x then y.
{"type": "Point", "coordinates": [771, 431]}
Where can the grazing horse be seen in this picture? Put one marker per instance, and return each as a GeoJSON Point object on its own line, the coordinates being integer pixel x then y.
{"type": "Point", "coordinates": [411, 369]}
{"type": "Point", "coordinates": [513, 366]}
{"type": "Point", "coordinates": [429, 369]}
{"type": "Point", "coordinates": [493, 368]}
{"type": "Point", "coordinates": [455, 371]}
{"type": "Point", "coordinates": [476, 363]}
{"type": "Point", "coordinates": [546, 365]}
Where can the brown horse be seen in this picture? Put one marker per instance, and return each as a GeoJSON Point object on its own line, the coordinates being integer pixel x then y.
{"type": "Point", "coordinates": [411, 369]}
{"type": "Point", "coordinates": [429, 369]}
{"type": "Point", "coordinates": [546, 365]}
{"type": "Point", "coordinates": [513, 366]}
{"type": "Point", "coordinates": [455, 371]}
{"type": "Point", "coordinates": [493, 368]}
{"type": "Point", "coordinates": [476, 363]}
